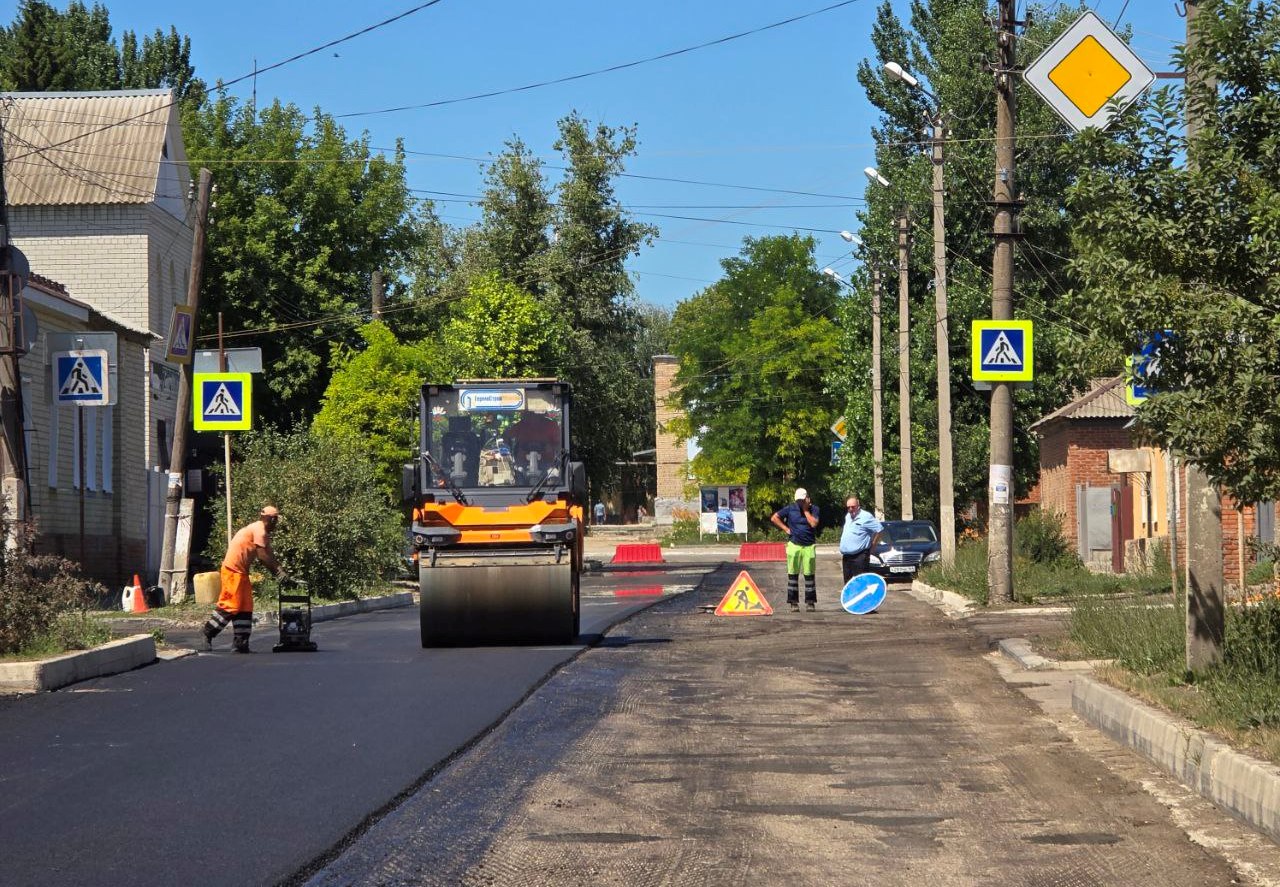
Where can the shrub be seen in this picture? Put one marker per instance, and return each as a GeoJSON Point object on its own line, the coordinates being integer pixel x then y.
{"type": "Point", "coordinates": [38, 592]}
{"type": "Point", "coordinates": [1038, 537]}
{"type": "Point", "coordinates": [338, 531]}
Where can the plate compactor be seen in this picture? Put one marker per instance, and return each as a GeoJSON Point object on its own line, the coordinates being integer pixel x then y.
{"type": "Point", "coordinates": [295, 620]}
{"type": "Point", "coordinates": [497, 514]}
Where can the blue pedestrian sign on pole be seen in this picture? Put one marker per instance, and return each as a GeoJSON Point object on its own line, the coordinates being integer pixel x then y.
{"type": "Point", "coordinates": [223, 402]}
{"type": "Point", "coordinates": [863, 593]}
{"type": "Point", "coordinates": [1141, 370]}
{"type": "Point", "coordinates": [836, 446]}
{"type": "Point", "coordinates": [81, 377]}
{"type": "Point", "coordinates": [1003, 351]}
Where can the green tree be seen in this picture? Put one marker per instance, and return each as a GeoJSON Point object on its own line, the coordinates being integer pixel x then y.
{"type": "Point", "coordinates": [500, 331]}
{"type": "Point", "coordinates": [372, 398]}
{"type": "Point", "coordinates": [1184, 235]}
{"type": "Point", "coordinates": [303, 217]}
{"type": "Point", "coordinates": [754, 349]}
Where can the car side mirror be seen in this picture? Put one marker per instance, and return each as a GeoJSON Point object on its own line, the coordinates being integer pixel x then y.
{"type": "Point", "coordinates": [408, 483]}
{"type": "Point", "coordinates": [578, 481]}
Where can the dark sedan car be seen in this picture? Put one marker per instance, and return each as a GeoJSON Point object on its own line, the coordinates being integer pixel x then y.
{"type": "Point", "coordinates": [903, 547]}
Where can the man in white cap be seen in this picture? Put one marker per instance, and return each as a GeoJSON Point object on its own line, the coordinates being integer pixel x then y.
{"type": "Point", "coordinates": [235, 603]}
{"type": "Point", "coordinates": [799, 521]}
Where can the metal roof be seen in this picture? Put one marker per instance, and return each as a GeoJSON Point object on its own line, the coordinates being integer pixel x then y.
{"type": "Point", "coordinates": [1104, 400]}
{"type": "Point", "coordinates": [63, 148]}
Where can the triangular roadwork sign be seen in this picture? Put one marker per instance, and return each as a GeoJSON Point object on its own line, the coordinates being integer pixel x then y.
{"type": "Point", "coordinates": [80, 381]}
{"type": "Point", "coordinates": [1002, 352]}
{"type": "Point", "coordinates": [743, 599]}
{"type": "Point", "coordinates": [222, 403]}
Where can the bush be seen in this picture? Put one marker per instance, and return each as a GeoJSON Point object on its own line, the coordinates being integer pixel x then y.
{"type": "Point", "coordinates": [1038, 537]}
{"type": "Point", "coordinates": [40, 595]}
{"type": "Point", "coordinates": [337, 531]}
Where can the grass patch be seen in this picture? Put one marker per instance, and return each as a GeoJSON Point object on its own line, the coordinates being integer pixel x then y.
{"type": "Point", "coordinates": [70, 632]}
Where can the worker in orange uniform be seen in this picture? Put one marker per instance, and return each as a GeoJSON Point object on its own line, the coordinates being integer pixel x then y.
{"type": "Point", "coordinates": [235, 604]}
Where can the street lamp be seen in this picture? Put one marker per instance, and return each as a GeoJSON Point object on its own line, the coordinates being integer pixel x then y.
{"type": "Point", "coordinates": [946, 481]}
{"type": "Point", "coordinates": [904, 349]}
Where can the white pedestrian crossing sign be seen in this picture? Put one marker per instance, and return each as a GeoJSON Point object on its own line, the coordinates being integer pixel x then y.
{"type": "Point", "coordinates": [81, 377]}
{"type": "Point", "coordinates": [223, 401]}
{"type": "Point", "coordinates": [180, 326]}
{"type": "Point", "coordinates": [1003, 351]}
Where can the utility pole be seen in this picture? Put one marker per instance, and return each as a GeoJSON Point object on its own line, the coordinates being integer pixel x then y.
{"type": "Point", "coordinates": [1000, 524]}
{"type": "Point", "coordinates": [1206, 605]}
{"type": "Point", "coordinates": [877, 426]}
{"type": "Point", "coordinates": [942, 339]}
{"type": "Point", "coordinates": [904, 362]}
{"type": "Point", "coordinates": [182, 414]}
{"type": "Point", "coordinates": [377, 293]}
{"type": "Point", "coordinates": [13, 452]}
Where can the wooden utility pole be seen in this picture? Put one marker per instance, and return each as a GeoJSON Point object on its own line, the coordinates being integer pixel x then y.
{"type": "Point", "coordinates": [13, 452]}
{"type": "Point", "coordinates": [182, 414]}
{"type": "Point", "coordinates": [877, 395]}
{"type": "Point", "coordinates": [904, 362]}
{"type": "Point", "coordinates": [1000, 523]}
{"type": "Point", "coordinates": [378, 294]}
{"type": "Point", "coordinates": [1206, 603]}
{"type": "Point", "coordinates": [942, 339]}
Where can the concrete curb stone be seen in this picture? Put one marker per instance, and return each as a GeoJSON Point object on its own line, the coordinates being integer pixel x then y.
{"type": "Point", "coordinates": [955, 606]}
{"type": "Point", "coordinates": [325, 612]}
{"type": "Point", "coordinates": [114, 657]}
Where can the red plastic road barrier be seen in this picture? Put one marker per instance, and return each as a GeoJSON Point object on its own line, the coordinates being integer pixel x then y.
{"type": "Point", "coordinates": [763, 551]}
{"type": "Point", "coordinates": [638, 553]}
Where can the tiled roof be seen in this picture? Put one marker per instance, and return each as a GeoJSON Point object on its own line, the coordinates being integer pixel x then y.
{"type": "Point", "coordinates": [64, 148]}
{"type": "Point", "coordinates": [1104, 400]}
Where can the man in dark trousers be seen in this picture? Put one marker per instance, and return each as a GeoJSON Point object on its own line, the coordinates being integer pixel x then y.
{"type": "Point", "coordinates": [235, 604]}
{"type": "Point", "coordinates": [858, 538]}
{"type": "Point", "coordinates": [799, 521]}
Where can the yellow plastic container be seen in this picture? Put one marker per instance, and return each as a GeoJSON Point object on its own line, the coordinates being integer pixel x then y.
{"type": "Point", "coordinates": [208, 587]}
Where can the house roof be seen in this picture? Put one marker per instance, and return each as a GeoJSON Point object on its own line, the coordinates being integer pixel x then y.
{"type": "Point", "coordinates": [1104, 400]}
{"type": "Point", "coordinates": [63, 148]}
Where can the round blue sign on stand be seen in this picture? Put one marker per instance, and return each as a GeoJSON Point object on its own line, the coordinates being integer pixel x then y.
{"type": "Point", "coordinates": [863, 593]}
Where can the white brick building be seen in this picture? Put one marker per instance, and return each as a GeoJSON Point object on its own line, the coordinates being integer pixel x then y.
{"type": "Point", "coordinates": [98, 199]}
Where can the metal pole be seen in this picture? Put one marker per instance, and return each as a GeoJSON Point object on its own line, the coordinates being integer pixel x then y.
{"type": "Point", "coordinates": [904, 363]}
{"type": "Point", "coordinates": [226, 438]}
{"type": "Point", "coordinates": [877, 426]}
{"type": "Point", "coordinates": [80, 460]}
{"type": "Point", "coordinates": [942, 338]}
{"type": "Point", "coordinates": [182, 414]}
{"type": "Point", "coordinates": [1000, 527]}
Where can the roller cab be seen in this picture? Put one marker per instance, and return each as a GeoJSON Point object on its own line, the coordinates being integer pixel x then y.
{"type": "Point", "coordinates": [497, 524]}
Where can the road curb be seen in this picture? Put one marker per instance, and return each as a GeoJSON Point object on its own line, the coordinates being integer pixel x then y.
{"type": "Point", "coordinates": [955, 606]}
{"type": "Point", "coordinates": [1242, 785]}
{"type": "Point", "coordinates": [114, 657]}
{"type": "Point", "coordinates": [325, 612]}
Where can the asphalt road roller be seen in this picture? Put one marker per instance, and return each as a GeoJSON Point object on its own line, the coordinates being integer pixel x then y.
{"type": "Point", "coordinates": [497, 514]}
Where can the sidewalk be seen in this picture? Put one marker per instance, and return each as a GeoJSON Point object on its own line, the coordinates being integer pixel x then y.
{"type": "Point", "coordinates": [800, 749]}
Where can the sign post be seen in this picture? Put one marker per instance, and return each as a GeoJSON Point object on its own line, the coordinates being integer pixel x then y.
{"type": "Point", "coordinates": [223, 402]}
{"type": "Point", "coordinates": [82, 378]}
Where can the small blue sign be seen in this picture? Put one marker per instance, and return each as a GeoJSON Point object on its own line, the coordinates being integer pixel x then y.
{"type": "Point", "coordinates": [81, 377]}
{"type": "Point", "coordinates": [835, 451]}
{"type": "Point", "coordinates": [863, 593]}
{"type": "Point", "coordinates": [1002, 349]}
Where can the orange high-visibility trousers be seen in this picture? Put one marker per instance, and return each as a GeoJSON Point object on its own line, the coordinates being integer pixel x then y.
{"type": "Point", "coordinates": [237, 592]}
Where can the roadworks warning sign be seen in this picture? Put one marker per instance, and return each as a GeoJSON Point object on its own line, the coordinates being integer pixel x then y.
{"type": "Point", "coordinates": [743, 599]}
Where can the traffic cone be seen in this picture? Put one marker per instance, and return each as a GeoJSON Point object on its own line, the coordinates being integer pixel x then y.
{"type": "Point", "coordinates": [139, 599]}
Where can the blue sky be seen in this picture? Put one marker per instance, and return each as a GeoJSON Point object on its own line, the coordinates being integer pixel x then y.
{"type": "Point", "coordinates": [780, 109]}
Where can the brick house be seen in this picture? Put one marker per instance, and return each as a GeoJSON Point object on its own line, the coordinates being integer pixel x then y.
{"type": "Point", "coordinates": [1113, 495]}
{"type": "Point", "coordinates": [671, 453]}
{"type": "Point", "coordinates": [98, 199]}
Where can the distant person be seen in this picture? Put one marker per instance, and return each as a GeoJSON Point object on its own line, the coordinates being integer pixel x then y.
{"type": "Point", "coordinates": [235, 603]}
{"type": "Point", "coordinates": [642, 514]}
{"type": "Point", "coordinates": [598, 513]}
{"type": "Point", "coordinates": [799, 521]}
{"type": "Point", "coordinates": [858, 538]}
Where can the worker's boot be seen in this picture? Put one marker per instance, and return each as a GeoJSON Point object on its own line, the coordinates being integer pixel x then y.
{"type": "Point", "coordinates": [240, 647]}
{"type": "Point", "coordinates": [204, 643]}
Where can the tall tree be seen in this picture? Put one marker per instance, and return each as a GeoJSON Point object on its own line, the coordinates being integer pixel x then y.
{"type": "Point", "coordinates": [754, 348]}
{"type": "Point", "coordinates": [1183, 236]}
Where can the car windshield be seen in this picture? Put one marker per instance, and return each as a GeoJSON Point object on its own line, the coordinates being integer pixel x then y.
{"type": "Point", "coordinates": [910, 531]}
{"type": "Point", "coordinates": [495, 437]}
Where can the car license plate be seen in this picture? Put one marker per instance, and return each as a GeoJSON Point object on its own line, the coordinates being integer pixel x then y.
{"type": "Point", "coordinates": [902, 569]}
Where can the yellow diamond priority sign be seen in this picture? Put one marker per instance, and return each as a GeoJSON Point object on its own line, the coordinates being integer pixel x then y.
{"type": "Point", "coordinates": [1084, 70]}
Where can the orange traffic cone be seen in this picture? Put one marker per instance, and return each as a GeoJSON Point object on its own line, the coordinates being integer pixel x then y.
{"type": "Point", "coordinates": [139, 599]}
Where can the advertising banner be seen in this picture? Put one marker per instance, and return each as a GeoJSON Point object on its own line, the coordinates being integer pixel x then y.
{"type": "Point", "coordinates": [723, 510]}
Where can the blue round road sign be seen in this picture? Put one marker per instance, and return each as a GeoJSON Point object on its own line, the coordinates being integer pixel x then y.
{"type": "Point", "coordinates": [863, 593]}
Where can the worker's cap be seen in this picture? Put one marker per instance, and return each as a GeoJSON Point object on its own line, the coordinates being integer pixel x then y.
{"type": "Point", "coordinates": [269, 511]}
{"type": "Point", "coordinates": [801, 493]}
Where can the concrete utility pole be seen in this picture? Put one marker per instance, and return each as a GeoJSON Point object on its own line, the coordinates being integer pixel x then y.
{"type": "Point", "coordinates": [13, 451]}
{"type": "Point", "coordinates": [1000, 524]}
{"type": "Point", "coordinates": [942, 340]}
{"type": "Point", "coordinates": [378, 294]}
{"type": "Point", "coordinates": [877, 395]}
{"type": "Point", "coordinates": [904, 362]}
{"type": "Point", "coordinates": [1206, 604]}
{"type": "Point", "coordinates": [182, 414]}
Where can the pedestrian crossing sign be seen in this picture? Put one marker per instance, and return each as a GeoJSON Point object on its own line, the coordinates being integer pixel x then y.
{"type": "Point", "coordinates": [82, 378]}
{"type": "Point", "coordinates": [180, 326]}
{"type": "Point", "coordinates": [743, 599]}
{"type": "Point", "coordinates": [223, 401]}
{"type": "Point", "coordinates": [1003, 351]}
